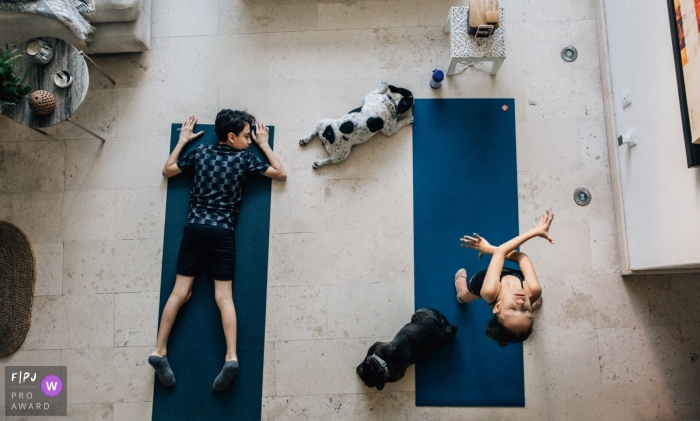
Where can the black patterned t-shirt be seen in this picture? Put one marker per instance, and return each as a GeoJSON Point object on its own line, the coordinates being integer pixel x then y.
{"type": "Point", "coordinates": [219, 172]}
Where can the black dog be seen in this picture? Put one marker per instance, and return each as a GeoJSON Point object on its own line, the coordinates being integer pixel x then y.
{"type": "Point", "coordinates": [387, 361]}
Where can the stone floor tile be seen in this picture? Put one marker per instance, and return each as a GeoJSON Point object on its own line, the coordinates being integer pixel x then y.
{"type": "Point", "coordinates": [150, 111]}
{"type": "Point", "coordinates": [555, 191]}
{"type": "Point", "coordinates": [37, 214]}
{"type": "Point", "coordinates": [584, 38]}
{"type": "Point", "coordinates": [542, 11]}
{"type": "Point", "coordinates": [594, 145]}
{"type": "Point", "coordinates": [393, 156]}
{"type": "Point", "coordinates": [133, 411]}
{"type": "Point", "coordinates": [613, 402]}
{"type": "Point", "coordinates": [21, 162]}
{"type": "Point", "coordinates": [49, 268]}
{"type": "Point", "coordinates": [50, 325]}
{"type": "Point", "coordinates": [569, 255]}
{"type": "Point", "coordinates": [90, 320]}
{"type": "Point", "coordinates": [300, 111]}
{"type": "Point", "coordinates": [112, 266]}
{"type": "Point", "coordinates": [295, 313]}
{"type": "Point", "coordinates": [237, 17]}
{"type": "Point", "coordinates": [690, 348]}
{"type": "Point", "coordinates": [7, 130]}
{"type": "Point", "coordinates": [295, 56]}
{"type": "Point", "coordinates": [368, 14]}
{"type": "Point", "coordinates": [333, 371]}
{"type": "Point", "coordinates": [135, 319]}
{"type": "Point", "coordinates": [544, 88]}
{"type": "Point", "coordinates": [535, 46]}
{"type": "Point", "coordinates": [181, 18]}
{"type": "Point", "coordinates": [604, 253]}
{"type": "Point", "coordinates": [387, 406]}
{"type": "Point", "coordinates": [561, 357]}
{"type": "Point", "coordinates": [140, 213]}
{"type": "Point", "coordinates": [297, 408]}
{"type": "Point", "coordinates": [679, 400]}
{"type": "Point", "coordinates": [251, 63]}
{"type": "Point", "coordinates": [348, 257]}
{"type": "Point", "coordinates": [669, 293]}
{"type": "Point", "coordinates": [269, 370]}
{"type": "Point", "coordinates": [527, 210]}
{"type": "Point", "coordinates": [119, 163]}
{"type": "Point", "coordinates": [362, 310]}
{"type": "Point", "coordinates": [322, 205]}
{"type": "Point", "coordinates": [105, 375]}
{"type": "Point", "coordinates": [588, 301]}
{"type": "Point", "coordinates": [643, 354]}
{"type": "Point", "coordinates": [88, 215]}
{"type": "Point", "coordinates": [536, 151]}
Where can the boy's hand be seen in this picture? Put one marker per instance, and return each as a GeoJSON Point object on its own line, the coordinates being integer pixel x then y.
{"type": "Point", "coordinates": [479, 244]}
{"type": "Point", "coordinates": [261, 135]}
{"type": "Point", "coordinates": [186, 132]}
{"type": "Point", "coordinates": [542, 226]}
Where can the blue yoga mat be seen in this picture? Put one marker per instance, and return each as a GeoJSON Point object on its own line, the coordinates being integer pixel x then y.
{"type": "Point", "coordinates": [197, 346]}
{"type": "Point", "coordinates": [464, 181]}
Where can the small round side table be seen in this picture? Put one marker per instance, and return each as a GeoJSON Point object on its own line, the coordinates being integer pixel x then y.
{"type": "Point", "coordinates": [66, 57]}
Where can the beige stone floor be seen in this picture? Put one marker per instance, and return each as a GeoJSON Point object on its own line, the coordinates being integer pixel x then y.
{"type": "Point", "coordinates": [604, 348]}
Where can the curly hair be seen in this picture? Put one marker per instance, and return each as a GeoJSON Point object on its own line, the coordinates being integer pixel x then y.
{"type": "Point", "coordinates": [502, 335]}
{"type": "Point", "coordinates": [230, 121]}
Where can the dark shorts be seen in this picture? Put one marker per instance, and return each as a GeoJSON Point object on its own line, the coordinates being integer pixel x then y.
{"type": "Point", "coordinates": [207, 245]}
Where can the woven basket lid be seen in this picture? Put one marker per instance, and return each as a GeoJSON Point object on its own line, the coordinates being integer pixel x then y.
{"type": "Point", "coordinates": [17, 279]}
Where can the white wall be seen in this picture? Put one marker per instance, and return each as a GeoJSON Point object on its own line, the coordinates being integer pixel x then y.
{"type": "Point", "coordinates": [661, 196]}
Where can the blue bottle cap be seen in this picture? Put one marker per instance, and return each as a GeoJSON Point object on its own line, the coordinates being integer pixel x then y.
{"type": "Point", "coordinates": [438, 75]}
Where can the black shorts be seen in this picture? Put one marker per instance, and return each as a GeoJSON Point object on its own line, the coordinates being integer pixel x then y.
{"type": "Point", "coordinates": [210, 245]}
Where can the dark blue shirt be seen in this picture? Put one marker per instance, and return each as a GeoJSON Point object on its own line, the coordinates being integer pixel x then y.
{"type": "Point", "coordinates": [219, 172]}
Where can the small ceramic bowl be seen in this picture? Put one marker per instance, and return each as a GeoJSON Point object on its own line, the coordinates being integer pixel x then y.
{"type": "Point", "coordinates": [63, 79]}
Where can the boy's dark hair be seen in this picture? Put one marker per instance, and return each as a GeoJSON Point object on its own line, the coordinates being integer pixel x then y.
{"type": "Point", "coordinates": [502, 335]}
{"type": "Point", "coordinates": [230, 121]}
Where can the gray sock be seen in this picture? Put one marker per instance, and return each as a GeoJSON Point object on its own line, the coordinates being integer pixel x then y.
{"type": "Point", "coordinates": [162, 367]}
{"type": "Point", "coordinates": [224, 379]}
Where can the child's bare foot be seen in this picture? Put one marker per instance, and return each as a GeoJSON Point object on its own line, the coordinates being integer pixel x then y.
{"type": "Point", "coordinates": [537, 304]}
{"type": "Point", "coordinates": [460, 283]}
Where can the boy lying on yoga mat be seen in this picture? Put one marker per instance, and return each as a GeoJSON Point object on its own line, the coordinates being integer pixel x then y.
{"type": "Point", "coordinates": [219, 172]}
{"type": "Point", "coordinates": [513, 294]}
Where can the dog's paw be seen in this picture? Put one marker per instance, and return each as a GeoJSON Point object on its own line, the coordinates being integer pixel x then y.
{"type": "Point", "coordinates": [303, 142]}
{"type": "Point", "coordinates": [410, 120]}
{"type": "Point", "coordinates": [316, 165]}
{"type": "Point", "coordinates": [383, 85]}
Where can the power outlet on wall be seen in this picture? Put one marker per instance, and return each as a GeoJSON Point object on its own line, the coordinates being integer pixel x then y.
{"type": "Point", "coordinates": [626, 98]}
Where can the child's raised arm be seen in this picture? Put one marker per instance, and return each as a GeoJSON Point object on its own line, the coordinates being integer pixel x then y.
{"type": "Point", "coordinates": [490, 287]}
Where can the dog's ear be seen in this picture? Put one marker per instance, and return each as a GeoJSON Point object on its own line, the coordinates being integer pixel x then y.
{"type": "Point", "coordinates": [380, 386]}
{"type": "Point", "coordinates": [400, 91]}
{"type": "Point", "coordinates": [404, 105]}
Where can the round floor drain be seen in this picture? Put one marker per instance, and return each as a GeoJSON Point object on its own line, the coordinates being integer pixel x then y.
{"type": "Point", "coordinates": [582, 196]}
{"type": "Point", "coordinates": [569, 53]}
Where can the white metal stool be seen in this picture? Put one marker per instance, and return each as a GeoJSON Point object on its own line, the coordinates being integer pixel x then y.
{"type": "Point", "coordinates": [464, 48]}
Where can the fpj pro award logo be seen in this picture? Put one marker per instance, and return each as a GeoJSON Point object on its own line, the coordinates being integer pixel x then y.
{"type": "Point", "coordinates": [36, 391]}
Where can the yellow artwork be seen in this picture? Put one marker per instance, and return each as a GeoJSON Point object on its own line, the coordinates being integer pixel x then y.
{"type": "Point", "coordinates": [688, 26]}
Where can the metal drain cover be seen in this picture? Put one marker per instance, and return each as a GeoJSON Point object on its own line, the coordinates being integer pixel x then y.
{"type": "Point", "coordinates": [582, 196]}
{"type": "Point", "coordinates": [569, 53]}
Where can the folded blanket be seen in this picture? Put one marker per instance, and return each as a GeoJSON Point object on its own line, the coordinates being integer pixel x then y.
{"type": "Point", "coordinates": [71, 13]}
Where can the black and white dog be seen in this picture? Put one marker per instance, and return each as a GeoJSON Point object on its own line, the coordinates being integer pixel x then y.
{"type": "Point", "coordinates": [381, 111]}
{"type": "Point", "coordinates": [387, 361]}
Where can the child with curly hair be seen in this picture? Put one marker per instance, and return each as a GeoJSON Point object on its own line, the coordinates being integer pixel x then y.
{"type": "Point", "coordinates": [513, 294]}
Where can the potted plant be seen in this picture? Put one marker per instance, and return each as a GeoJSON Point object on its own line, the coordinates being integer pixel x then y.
{"type": "Point", "coordinates": [12, 86]}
